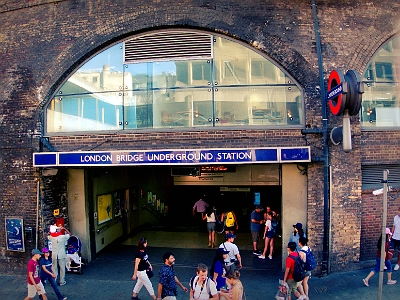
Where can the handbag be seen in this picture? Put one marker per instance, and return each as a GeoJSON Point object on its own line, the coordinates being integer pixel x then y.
{"type": "Point", "coordinates": [149, 273]}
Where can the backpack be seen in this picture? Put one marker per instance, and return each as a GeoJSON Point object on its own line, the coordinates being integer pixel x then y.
{"type": "Point", "coordinates": [193, 285]}
{"type": "Point", "coordinates": [230, 220]}
{"type": "Point", "coordinates": [311, 262]}
{"type": "Point", "coordinates": [274, 225]}
{"type": "Point", "coordinates": [298, 270]}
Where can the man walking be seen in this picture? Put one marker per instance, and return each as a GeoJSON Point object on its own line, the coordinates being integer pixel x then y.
{"type": "Point", "coordinates": [233, 261]}
{"type": "Point", "coordinates": [167, 289]}
{"type": "Point", "coordinates": [33, 279]}
{"type": "Point", "coordinates": [288, 277]}
{"type": "Point", "coordinates": [199, 209]}
{"type": "Point", "coordinates": [396, 238]}
{"type": "Point", "coordinates": [257, 220]}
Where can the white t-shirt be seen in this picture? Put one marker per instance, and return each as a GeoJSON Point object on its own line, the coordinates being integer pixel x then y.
{"type": "Point", "coordinates": [268, 223]}
{"type": "Point", "coordinates": [202, 292]}
{"type": "Point", "coordinates": [211, 218]}
{"type": "Point", "coordinates": [305, 248]}
{"type": "Point", "coordinates": [233, 251]}
{"type": "Point", "coordinates": [396, 224]}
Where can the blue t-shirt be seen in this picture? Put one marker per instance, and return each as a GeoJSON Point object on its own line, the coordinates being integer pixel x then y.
{"type": "Point", "coordinates": [256, 216]}
{"type": "Point", "coordinates": [219, 269]}
{"type": "Point", "coordinates": [166, 277]}
{"type": "Point", "coordinates": [47, 263]}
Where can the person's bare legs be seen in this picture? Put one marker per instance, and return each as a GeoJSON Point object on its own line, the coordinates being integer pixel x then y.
{"type": "Point", "coordinates": [305, 285]}
{"type": "Point", "coordinates": [213, 239]}
{"type": "Point", "coordinates": [370, 275]}
{"type": "Point", "coordinates": [266, 243]}
{"type": "Point", "coordinates": [209, 238]}
{"type": "Point", "coordinates": [271, 246]}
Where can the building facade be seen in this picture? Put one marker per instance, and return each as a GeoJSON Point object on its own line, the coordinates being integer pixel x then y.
{"type": "Point", "coordinates": [114, 112]}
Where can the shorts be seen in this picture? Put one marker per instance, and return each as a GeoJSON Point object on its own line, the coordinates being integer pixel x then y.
{"type": "Point", "coordinates": [32, 290]}
{"type": "Point", "coordinates": [255, 236]}
{"type": "Point", "coordinates": [210, 226]}
{"type": "Point", "coordinates": [270, 234]}
{"type": "Point", "coordinates": [396, 244]}
{"type": "Point", "coordinates": [232, 228]}
{"type": "Point", "coordinates": [292, 285]}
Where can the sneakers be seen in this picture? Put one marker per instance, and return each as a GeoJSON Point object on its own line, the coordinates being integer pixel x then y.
{"type": "Point", "coordinates": [65, 298]}
{"type": "Point", "coordinates": [261, 256]}
{"type": "Point", "coordinates": [396, 267]}
{"type": "Point", "coordinates": [302, 297]}
{"type": "Point", "coordinates": [135, 298]}
{"type": "Point", "coordinates": [256, 252]}
{"type": "Point", "coordinates": [391, 282]}
{"type": "Point", "coordinates": [270, 256]}
{"type": "Point", "coordinates": [63, 283]}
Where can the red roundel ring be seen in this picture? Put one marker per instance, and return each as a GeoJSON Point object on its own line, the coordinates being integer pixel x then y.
{"type": "Point", "coordinates": [337, 104]}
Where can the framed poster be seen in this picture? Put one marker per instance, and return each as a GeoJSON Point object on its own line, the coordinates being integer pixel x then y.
{"type": "Point", "coordinates": [104, 208]}
{"type": "Point", "coordinates": [15, 234]}
{"type": "Point", "coordinates": [149, 197]}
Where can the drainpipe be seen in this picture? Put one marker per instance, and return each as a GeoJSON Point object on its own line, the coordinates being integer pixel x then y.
{"type": "Point", "coordinates": [326, 242]}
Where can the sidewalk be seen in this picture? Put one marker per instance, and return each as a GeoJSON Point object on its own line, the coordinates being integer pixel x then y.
{"type": "Point", "coordinates": [109, 277]}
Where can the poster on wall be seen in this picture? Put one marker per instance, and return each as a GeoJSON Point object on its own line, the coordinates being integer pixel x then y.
{"type": "Point", "coordinates": [162, 207]}
{"type": "Point", "coordinates": [154, 200]}
{"type": "Point", "coordinates": [15, 234]}
{"type": "Point", "coordinates": [158, 204]}
{"type": "Point", "coordinates": [117, 205]}
{"type": "Point", "coordinates": [149, 197]}
{"type": "Point", "coordinates": [104, 208]}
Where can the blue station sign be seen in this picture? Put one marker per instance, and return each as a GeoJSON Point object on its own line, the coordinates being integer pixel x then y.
{"type": "Point", "coordinates": [172, 157]}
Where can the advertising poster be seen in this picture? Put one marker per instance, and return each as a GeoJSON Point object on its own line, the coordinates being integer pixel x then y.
{"type": "Point", "coordinates": [104, 208]}
{"type": "Point", "coordinates": [15, 234]}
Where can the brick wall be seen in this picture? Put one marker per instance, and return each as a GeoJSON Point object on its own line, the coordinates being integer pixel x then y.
{"type": "Point", "coordinates": [43, 42]}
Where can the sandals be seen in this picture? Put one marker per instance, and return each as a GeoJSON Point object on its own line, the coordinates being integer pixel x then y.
{"type": "Point", "coordinates": [366, 283]}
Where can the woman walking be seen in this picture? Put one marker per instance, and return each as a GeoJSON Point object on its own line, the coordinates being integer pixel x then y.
{"type": "Point", "coordinates": [388, 263]}
{"type": "Point", "coordinates": [303, 249]}
{"type": "Point", "coordinates": [218, 268]}
{"type": "Point", "coordinates": [210, 216]}
{"type": "Point", "coordinates": [141, 265]}
{"type": "Point", "coordinates": [236, 290]}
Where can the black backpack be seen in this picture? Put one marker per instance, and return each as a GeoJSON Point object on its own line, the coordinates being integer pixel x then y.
{"type": "Point", "coordinates": [299, 272]}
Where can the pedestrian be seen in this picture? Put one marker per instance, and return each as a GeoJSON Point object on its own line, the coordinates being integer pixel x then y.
{"type": "Point", "coordinates": [303, 249]}
{"type": "Point", "coordinates": [233, 260]}
{"type": "Point", "coordinates": [396, 238]}
{"type": "Point", "coordinates": [289, 269]}
{"type": "Point", "coordinates": [199, 209]}
{"type": "Point", "coordinates": [387, 258]}
{"type": "Point", "coordinates": [230, 221]}
{"type": "Point", "coordinates": [47, 274]}
{"type": "Point", "coordinates": [142, 264]}
{"type": "Point", "coordinates": [210, 216]}
{"type": "Point", "coordinates": [202, 287]}
{"type": "Point", "coordinates": [33, 278]}
{"type": "Point", "coordinates": [296, 234]}
{"type": "Point", "coordinates": [167, 279]}
{"type": "Point", "coordinates": [236, 290]}
{"type": "Point", "coordinates": [59, 254]}
{"type": "Point", "coordinates": [218, 268]}
{"type": "Point", "coordinates": [268, 236]}
{"type": "Point", "coordinates": [257, 220]}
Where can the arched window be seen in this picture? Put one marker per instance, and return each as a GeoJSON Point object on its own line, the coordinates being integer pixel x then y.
{"type": "Point", "coordinates": [175, 79]}
{"type": "Point", "coordinates": [381, 101]}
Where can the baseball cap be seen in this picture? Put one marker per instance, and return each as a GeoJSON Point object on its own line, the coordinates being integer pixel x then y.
{"type": "Point", "coordinates": [259, 207]}
{"type": "Point", "coordinates": [298, 226]}
{"type": "Point", "coordinates": [36, 251]}
{"type": "Point", "coordinates": [222, 251]}
{"type": "Point", "coordinates": [230, 235]}
{"type": "Point", "coordinates": [45, 250]}
{"type": "Point", "coordinates": [388, 231]}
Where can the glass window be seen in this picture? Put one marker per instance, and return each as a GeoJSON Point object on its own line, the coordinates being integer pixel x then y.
{"type": "Point", "coordinates": [381, 105]}
{"type": "Point", "coordinates": [235, 86]}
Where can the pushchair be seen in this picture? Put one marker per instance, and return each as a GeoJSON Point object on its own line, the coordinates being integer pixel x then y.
{"type": "Point", "coordinates": [74, 259]}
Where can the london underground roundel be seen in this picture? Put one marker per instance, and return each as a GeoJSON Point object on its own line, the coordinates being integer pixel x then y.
{"type": "Point", "coordinates": [337, 92]}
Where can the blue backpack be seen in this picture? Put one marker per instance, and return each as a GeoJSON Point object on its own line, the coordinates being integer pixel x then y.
{"type": "Point", "coordinates": [274, 225]}
{"type": "Point", "coordinates": [311, 262]}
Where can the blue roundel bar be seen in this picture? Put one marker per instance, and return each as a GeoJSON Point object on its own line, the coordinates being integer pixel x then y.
{"type": "Point", "coordinates": [173, 157]}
